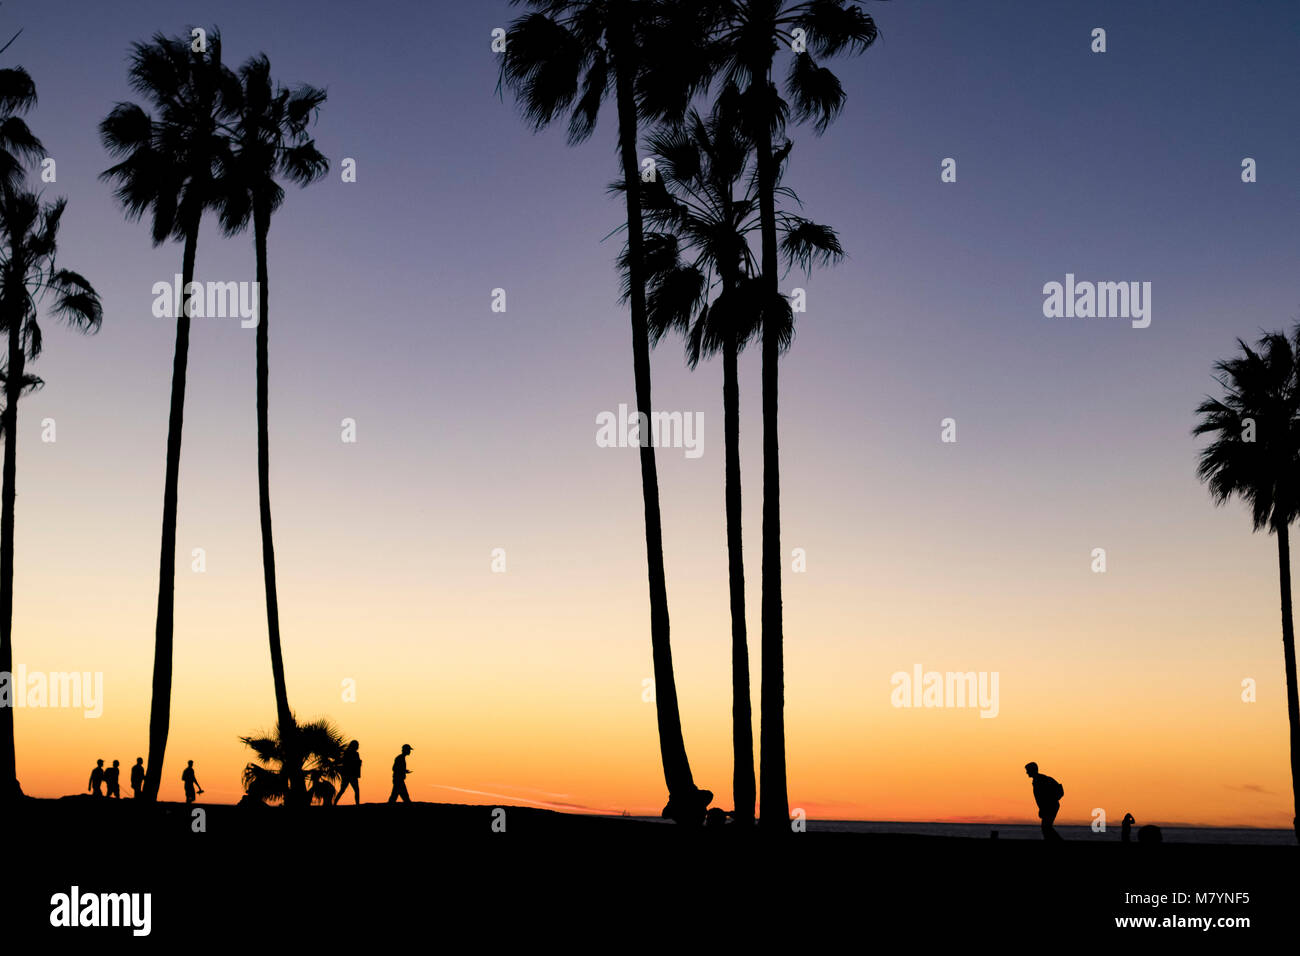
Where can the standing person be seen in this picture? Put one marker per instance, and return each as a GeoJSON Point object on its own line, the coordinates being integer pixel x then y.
{"type": "Point", "coordinates": [97, 779]}
{"type": "Point", "coordinates": [137, 777]}
{"type": "Point", "coordinates": [191, 783]}
{"type": "Point", "coordinates": [399, 776]}
{"type": "Point", "coordinates": [351, 772]}
{"type": "Point", "coordinates": [1047, 794]}
{"type": "Point", "coordinates": [110, 780]}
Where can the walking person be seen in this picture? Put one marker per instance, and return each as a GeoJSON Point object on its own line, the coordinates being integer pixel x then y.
{"type": "Point", "coordinates": [1047, 794]}
{"type": "Point", "coordinates": [96, 779]}
{"type": "Point", "coordinates": [399, 776]}
{"type": "Point", "coordinates": [351, 772]}
{"type": "Point", "coordinates": [111, 780]}
{"type": "Point", "coordinates": [191, 783]}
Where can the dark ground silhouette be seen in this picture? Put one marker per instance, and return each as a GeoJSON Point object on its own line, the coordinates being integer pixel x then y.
{"type": "Point", "coordinates": [552, 876]}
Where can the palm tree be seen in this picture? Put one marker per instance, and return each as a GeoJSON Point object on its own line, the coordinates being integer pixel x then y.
{"type": "Point", "coordinates": [567, 56]}
{"type": "Point", "coordinates": [1255, 456]}
{"type": "Point", "coordinates": [308, 766]}
{"type": "Point", "coordinates": [17, 143]}
{"type": "Point", "coordinates": [168, 168]}
{"type": "Point", "coordinates": [747, 37]}
{"type": "Point", "coordinates": [29, 274]}
{"type": "Point", "coordinates": [692, 204]}
{"type": "Point", "coordinates": [267, 137]}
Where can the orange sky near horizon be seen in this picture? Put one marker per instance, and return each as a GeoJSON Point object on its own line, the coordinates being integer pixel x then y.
{"type": "Point", "coordinates": [526, 687]}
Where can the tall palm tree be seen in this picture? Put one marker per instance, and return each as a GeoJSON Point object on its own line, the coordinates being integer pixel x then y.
{"type": "Point", "coordinates": [567, 56]}
{"type": "Point", "coordinates": [267, 138]}
{"type": "Point", "coordinates": [29, 278]}
{"type": "Point", "coordinates": [17, 144]}
{"type": "Point", "coordinates": [1254, 455]}
{"type": "Point", "coordinates": [168, 168]}
{"type": "Point", "coordinates": [748, 34]}
{"type": "Point", "coordinates": [692, 204]}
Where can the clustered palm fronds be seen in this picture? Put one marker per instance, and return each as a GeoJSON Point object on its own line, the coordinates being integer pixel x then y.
{"type": "Point", "coordinates": [295, 762]}
{"type": "Point", "coordinates": [1254, 453]}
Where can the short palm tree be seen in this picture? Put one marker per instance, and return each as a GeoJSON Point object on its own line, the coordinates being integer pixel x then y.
{"type": "Point", "coordinates": [717, 301]}
{"type": "Point", "coordinates": [30, 278]}
{"type": "Point", "coordinates": [168, 168]}
{"type": "Point", "coordinates": [267, 137]}
{"type": "Point", "coordinates": [1254, 455]}
{"type": "Point", "coordinates": [295, 767]}
{"type": "Point", "coordinates": [747, 35]}
{"type": "Point", "coordinates": [568, 56]}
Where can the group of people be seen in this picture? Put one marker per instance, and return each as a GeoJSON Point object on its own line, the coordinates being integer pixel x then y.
{"type": "Point", "coordinates": [104, 781]}
{"type": "Point", "coordinates": [350, 774]}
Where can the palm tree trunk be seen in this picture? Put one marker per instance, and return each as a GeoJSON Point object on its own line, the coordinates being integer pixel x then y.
{"type": "Point", "coordinates": [773, 799]}
{"type": "Point", "coordinates": [742, 728]}
{"type": "Point", "coordinates": [261, 227]}
{"type": "Point", "coordinates": [672, 748]}
{"type": "Point", "coordinates": [160, 712]}
{"type": "Point", "coordinates": [13, 389]}
{"type": "Point", "coordinates": [1288, 655]}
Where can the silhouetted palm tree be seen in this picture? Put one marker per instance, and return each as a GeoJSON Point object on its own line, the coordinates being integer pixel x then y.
{"type": "Point", "coordinates": [168, 169]}
{"type": "Point", "coordinates": [29, 278]}
{"type": "Point", "coordinates": [306, 769]}
{"type": "Point", "coordinates": [692, 203]}
{"type": "Point", "coordinates": [267, 138]}
{"type": "Point", "coordinates": [747, 37]}
{"type": "Point", "coordinates": [567, 56]}
{"type": "Point", "coordinates": [17, 142]}
{"type": "Point", "coordinates": [1255, 456]}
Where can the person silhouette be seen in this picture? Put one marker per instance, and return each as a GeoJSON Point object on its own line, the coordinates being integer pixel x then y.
{"type": "Point", "coordinates": [1047, 794]}
{"type": "Point", "coordinates": [137, 777]}
{"type": "Point", "coordinates": [191, 783]}
{"type": "Point", "coordinates": [110, 780]}
{"type": "Point", "coordinates": [97, 779]}
{"type": "Point", "coordinates": [1126, 826]}
{"type": "Point", "coordinates": [399, 776]}
{"type": "Point", "coordinates": [351, 772]}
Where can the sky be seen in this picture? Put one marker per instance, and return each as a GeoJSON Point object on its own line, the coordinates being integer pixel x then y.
{"type": "Point", "coordinates": [475, 429]}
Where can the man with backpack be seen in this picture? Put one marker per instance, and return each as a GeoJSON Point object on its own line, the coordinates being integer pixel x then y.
{"type": "Point", "coordinates": [1047, 794]}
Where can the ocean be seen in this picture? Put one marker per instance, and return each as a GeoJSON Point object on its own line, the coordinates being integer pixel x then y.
{"type": "Point", "coordinates": [1023, 831]}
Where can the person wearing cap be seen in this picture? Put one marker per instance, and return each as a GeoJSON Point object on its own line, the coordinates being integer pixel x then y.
{"type": "Point", "coordinates": [399, 776]}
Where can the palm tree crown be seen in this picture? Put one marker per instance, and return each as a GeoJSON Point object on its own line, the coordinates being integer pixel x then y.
{"type": "Point", "coordinates": [170, 160]}
{"type": "Point", "coordinates": [29, 273]}
{"type": "Point", "coordinates": [1255, 451]}
{"type": "Point", "coordinates": [266, 138]}
{"type": "Point", "coordinates": [17, 142]}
